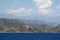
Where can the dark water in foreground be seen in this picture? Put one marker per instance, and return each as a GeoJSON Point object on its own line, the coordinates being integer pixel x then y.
{"type": "Point", "coordinates": [29, 36]}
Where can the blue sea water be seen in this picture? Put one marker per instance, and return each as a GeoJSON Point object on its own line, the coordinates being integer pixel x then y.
{"type": "Point", "coordinates": [29, 36]}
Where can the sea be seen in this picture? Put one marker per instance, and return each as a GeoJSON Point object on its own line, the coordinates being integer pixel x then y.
{"type": "Point", "coordinates": [29, 36]}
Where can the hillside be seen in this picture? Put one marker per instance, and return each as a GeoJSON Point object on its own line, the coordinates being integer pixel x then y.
{"type": "Point", "coordinates": [15, 25]}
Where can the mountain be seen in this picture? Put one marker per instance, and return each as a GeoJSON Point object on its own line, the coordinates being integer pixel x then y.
{"type": "Point", "coordinates": [20, 25]}
{"type": "Point", "coordinates": [39, 22]}
{"type": "Point", "coordinates": [10, 22]}
{"type": "Point", "coordinates": [15, 22]}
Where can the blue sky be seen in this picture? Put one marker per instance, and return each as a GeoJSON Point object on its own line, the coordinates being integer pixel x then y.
{"type": "Point", "coordinates": [47, 10]}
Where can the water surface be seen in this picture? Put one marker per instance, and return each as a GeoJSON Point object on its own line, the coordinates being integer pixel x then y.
{"type": "Point", "coordinates": [29, 36]}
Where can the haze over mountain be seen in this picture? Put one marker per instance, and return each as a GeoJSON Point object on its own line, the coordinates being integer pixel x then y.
{"type": "Point", "coordinates": [9, 22]}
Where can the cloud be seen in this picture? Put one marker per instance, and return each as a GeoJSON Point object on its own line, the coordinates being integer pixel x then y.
{"type": "Point", "coordinates": [43, 3]}
{"type": "Point", "coordinates": [29, 10]}
{"type": "Point", "coordinates": [45, 11]}
{"type": "Point", "coordinates": [43, 6]}
{"type": "Point", "coordinates": [18, 11]}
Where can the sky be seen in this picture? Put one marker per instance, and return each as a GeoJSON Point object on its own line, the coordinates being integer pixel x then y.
{"type": "Point", "coordinates": [47, 10]}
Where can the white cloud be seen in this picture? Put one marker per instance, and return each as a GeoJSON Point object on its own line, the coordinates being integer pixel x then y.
{"type": "Point", "coordinates": [43, 3]}
{"type": "Point", "coordinates": [43, 6]}
{"type": "Point", "coordinates": [29, 10]}
{"type": "Point", "coordinates": [18, 11]}
{"type": "Point", "coordinates": [45, 11]}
